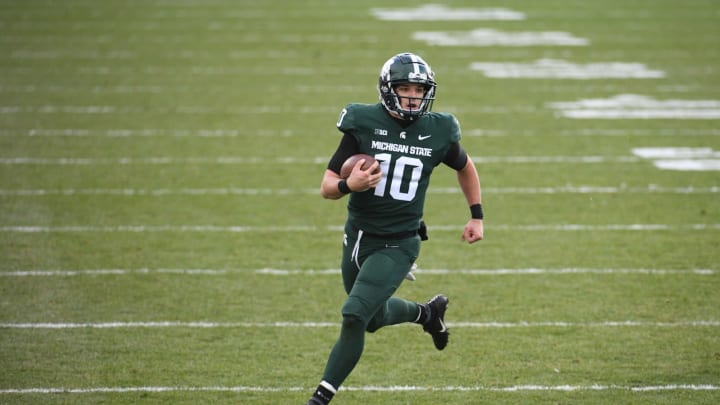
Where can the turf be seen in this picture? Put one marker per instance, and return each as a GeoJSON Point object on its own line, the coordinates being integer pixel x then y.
{"type": "Point", "coordinates": [162, 237]}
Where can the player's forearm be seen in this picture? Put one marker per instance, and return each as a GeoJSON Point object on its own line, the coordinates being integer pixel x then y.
{"type": "Point", "coordinates": [469, 182]}
{"type": "Point", "coordinates": [329, 186]}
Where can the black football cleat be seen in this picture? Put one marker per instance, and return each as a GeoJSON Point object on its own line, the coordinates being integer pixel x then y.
{"type": "Point", "coordinates": [435, 326]}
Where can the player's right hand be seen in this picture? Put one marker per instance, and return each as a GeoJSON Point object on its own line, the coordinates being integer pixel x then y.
{"type": "Point", "coordinates": [362, 180]}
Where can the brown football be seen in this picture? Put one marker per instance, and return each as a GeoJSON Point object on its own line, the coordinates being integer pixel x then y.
{"type": "Point", "coordinates": [347, 167]}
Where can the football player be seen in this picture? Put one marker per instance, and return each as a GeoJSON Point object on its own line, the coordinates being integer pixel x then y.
{"type": "Point", "coordinates": [383, 229]}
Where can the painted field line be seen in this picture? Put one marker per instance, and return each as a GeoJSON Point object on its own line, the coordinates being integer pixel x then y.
{"type": "Point", "coordinates": [235, 160]}
{"type": "Point", "coordinates": [144, 133]}
{"type": "Point", "coordinates": [282, 324]}
{"type": "Point", "coordinates": [72, 54]}
{"type": "Point", "coordinates": [323, 272]}
{"type": "Point", "coordinates": [186, 109]}
{"type": "Point", "coordinates": [159, 38]}
{"type": "Point", "coordinates": [641, 132]}
{"type": "Point", "coordinates": [370, 388]}
{"type": "Point", "coordinates": [339, 228]}
{"type": "Point", "coordinates": [159, 160]}
{"type": "Point", "coordinates": [498, 272]}
{"type": "Point", "coordinates": [635, 106]}
{"type": "Point", "coordinates": [439, 12]}
{"type": "Point", "coordinates": [492, 37]}
{"type": "Point", "coordinates": [220, 133]}
{"type": "Point", "coordinates": [129, 192]}
{"type": "Point", "coordinates": [558, 68]}
{"type": "Point", "coordinates": [159, 192]}
{"type": "Point", "coordinates": [160, 89]}
{"type": "Point", "coordinates": [115, 272]}
{"type": "Point", "coordinates": [254, 69]}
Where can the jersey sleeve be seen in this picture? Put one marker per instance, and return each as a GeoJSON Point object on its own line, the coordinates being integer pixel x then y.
{"type": "Point", "coordinates": [453, 128]}
{"type": "Point", "coordinates": [456, 157]}
{"type": "Point", "coordinates": [348, 146]}
{"type": "Point", "coordinates": [346, 120]}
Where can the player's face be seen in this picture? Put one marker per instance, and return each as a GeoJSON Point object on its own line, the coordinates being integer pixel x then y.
{"type": "Point", "coordinates": [410, 95]}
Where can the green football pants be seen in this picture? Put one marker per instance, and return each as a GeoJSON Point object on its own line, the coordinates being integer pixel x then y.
{"type": "Point", "coordinates": [372, 270]}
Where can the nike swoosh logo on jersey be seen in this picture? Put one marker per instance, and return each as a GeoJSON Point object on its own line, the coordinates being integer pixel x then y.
{"type": "Point", "coordinates": [422, 138]}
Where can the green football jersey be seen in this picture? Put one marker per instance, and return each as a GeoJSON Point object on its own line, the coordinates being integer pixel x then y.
{"type": "Point", "coordinates": [407, 157]}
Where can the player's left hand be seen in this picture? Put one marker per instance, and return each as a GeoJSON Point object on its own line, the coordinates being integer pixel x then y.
{"type": "Point", "coordinates": [473, 231]}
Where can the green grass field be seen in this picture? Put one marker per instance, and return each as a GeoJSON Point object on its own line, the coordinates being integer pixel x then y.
{"type": "Point", "coordinates": [162, 237]}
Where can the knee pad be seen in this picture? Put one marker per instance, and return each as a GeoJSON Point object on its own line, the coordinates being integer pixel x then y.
{"type": "Point", "coordinates": [352, 322]}
{"type": "Point", "coordinates": [354, 310]}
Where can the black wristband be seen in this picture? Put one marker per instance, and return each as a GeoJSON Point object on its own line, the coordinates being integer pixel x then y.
{"type": "Point", "coordinates": [343, 187]}
{"type": "Point", "coordinates": [476, 211]}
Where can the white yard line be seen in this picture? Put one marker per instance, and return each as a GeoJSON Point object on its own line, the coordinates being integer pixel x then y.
{"type": "Point", "coordinates": [187, 109]}
{"type": "Point", "coordinates": [290, 160]}
{"type": "Point", "coordinates": [635, 106]}
{"type": "Point", "coordinates": [569, 189]}
{"type": "Point", "coordinates": [496, 272]}
{"type": "Point", "coordinates": [159, 160]}
{"type": "Point", "coordinates": [338, 228]}
{"type": "Point", "coordinates": [563, 69]}
{"type": "Point", "coordinates": [289, 324]}
{"type": "Point", "coordinates": [321, 272]}
{"type": "Point", "coordinates": [439, 12]}
{"type": "Point", "coordinates": [372, 388]}
{"type": "Point", "coordinates": [219, 133]}
{"type": "Point", "coordinates": [160, 89]}
{"type": "Point", "coordinates": [493, 37]}
{"type": "Point", "coordinates": [153, 132]}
